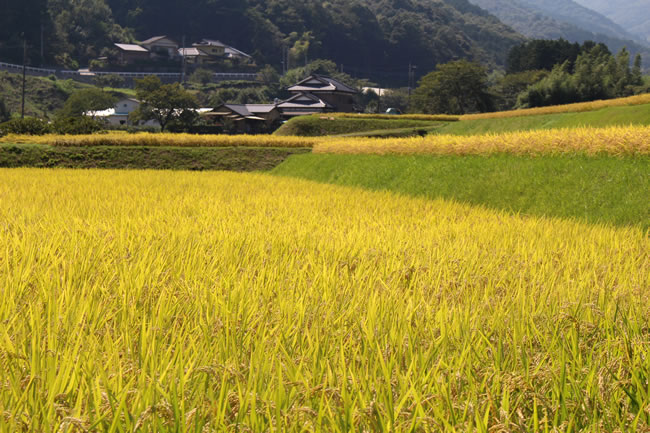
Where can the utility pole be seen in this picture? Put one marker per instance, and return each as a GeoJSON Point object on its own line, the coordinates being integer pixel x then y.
{"type": "Point", "coordinates": [22, 106]}
{"type": "Point", "coordinates": [411, 80]}
{"type": "Point", "coordinates": [282, 61]}
{"type": "Point", "coordinates": [42, 50]}
{"type": "Point", "coordinates": [183, 62]}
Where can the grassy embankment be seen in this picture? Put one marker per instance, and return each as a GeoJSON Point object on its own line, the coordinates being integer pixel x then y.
{"type": "Point", "coordinates": [130, 157]}
{"type": "Point", "coordinates": [43, 96]}
{"type": "Point", "coordinates": [615, 112]}
{"type": "Point", "coordinates": [315, 126]}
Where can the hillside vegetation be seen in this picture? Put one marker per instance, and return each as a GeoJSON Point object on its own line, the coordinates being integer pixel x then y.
{"type": "Point", "coordinates": [563, 19]}
{"type": "Point", "coordinates": [372, 38]}
{"type": "Point", "coordinates": [312, 126]}
{"type": "Point", "coordinates": [158, 158]}
{"type": "Point", "coordinates": [42, 95]}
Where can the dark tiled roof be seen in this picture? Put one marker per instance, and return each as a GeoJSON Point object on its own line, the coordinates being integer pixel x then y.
{"type": "Point", "coordinates": [132, 48]}
{"type": "Point", "coordinates": [320, 83]}
{"type": "Point", "coordinates": [304, 100]}
{"type": "Point", "coordinates": [152, 40]}
{"type": "Point", "coordinates": [248, 110]}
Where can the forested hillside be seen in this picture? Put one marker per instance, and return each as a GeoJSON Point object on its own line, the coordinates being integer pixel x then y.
{"type": "Point", "coordinates": [375, 38]}
{"type": "Point", "coordinates": [544, 19]}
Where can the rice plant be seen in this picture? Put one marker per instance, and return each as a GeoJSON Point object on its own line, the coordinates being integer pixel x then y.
{"type": "Point", "coordinates": [141, 301]}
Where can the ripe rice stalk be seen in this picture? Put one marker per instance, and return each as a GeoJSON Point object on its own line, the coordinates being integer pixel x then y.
{"type": "Point", "coordinates": [616, 141]}
{"type": "Point", "coordinates": [568, 108]}
{"type": "Point", "coordinates": [180, 301]}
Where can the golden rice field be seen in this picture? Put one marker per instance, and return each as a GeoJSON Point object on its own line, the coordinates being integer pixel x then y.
{"type": "Point", "coordinates": [162, 139]}
{"type": "Point", "coordinates": [137, 301]}
{"type": "Point", "coordinates": [430, 117]}
{"type": "Point", "coordinates": [568, 108]}
{"type": "Point", "coordinates": [629, 140]}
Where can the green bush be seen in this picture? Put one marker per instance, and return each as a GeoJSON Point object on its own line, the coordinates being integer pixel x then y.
{"type": "Point", "coordinates": [26, 126]}
{"type": "Point", "coordinates": [5, 114]}
{"type": "Point", "coordinates": [76, 125]}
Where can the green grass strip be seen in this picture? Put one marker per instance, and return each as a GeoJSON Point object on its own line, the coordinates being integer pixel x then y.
{"type": "Point", "coordinates": [594, 189]}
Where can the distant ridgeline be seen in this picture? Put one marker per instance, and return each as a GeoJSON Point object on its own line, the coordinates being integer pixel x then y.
{"type": "Point", "coordinates": [372, 38]}
{"type": "Point", "coordinates": [553, 19]}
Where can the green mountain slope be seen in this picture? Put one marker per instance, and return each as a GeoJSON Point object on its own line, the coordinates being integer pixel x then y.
{"type": "Point", "coordinates": [371, 38]}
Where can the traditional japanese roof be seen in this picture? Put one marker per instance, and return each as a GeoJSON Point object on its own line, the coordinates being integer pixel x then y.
{"type": "Point", "coordinates": [320, 83]}
{"type": "Point", "coordinates": [247, 111]}
{"type": "Point", "coordinates": [191, 52]}
{"type": "Point", "coordinates": [304, 100]}
{"type": "Point", "coordinates": [132, 48]}
{"type": "Point", "coordinates": [210, 42]}
{"type": "Point", "coordinates": [155, 39]}
{"type": "Point", "coordinates": [234, 52]}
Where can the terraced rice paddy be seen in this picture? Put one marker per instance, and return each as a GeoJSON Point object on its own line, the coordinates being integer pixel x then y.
{"type": "Point", "coordinates": [628, 140]}
{"type": "Point", "coordinates": [209, 302]}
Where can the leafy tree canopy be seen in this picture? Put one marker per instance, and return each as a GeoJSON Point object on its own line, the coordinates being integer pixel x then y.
{"type": "Point", "coordinates": [164, 103]}
{"type": "Point", "coordinates": [456, 87]}
{"type": "Point", "coordinates": [87, 100]}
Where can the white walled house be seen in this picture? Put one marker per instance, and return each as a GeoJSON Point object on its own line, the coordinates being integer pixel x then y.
{"type": "Point", "coordinates": [119, 114]}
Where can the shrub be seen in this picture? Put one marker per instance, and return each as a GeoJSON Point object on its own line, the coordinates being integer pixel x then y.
{"type": "Point", "coordinates": [26, 126]}
{"type": "Point", "coordinates": [76, 125]}
{"type": "Point", "coordinates": [5, 114]}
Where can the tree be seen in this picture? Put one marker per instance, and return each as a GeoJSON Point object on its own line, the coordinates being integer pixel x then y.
{"type": "Point", "coordinates": [456, 87]}
{"type": "Point", "coordinates": [202, 76]}
{"type": "Point", "coordinates": [84, 101]}
{"type": "Point", "coordinates": [82, 29]}
{"type": "Point", "coordinates": [508, 87]}
{"type": "Point", "coordinates": [163, 103]}
{"type": "Point", "coordinates": [637, 74]}
{"type": "Point", "coordinates": [109, 80]}
{"type": "Point", "coordinates": [5, 114]}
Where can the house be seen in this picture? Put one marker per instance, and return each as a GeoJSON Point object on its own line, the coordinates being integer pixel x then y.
{"type": "Point", "coordinates": [302, 104]}
{"type": "Point", "coordinates": [318, 94]}
{"type": "Point", "coordinates": [245, 118]}
{"type": "Point", "coordinates": [210, 50]}
{"type": "Point", "coordinates": [161, 47]}
{"type": "Point", "coordinates": [130, 53]}
{"type": "Point", "coordinates": [235, 54]}
{"type": "Point", "coordinates": [119, 114]}
{"type": "Point", "coordinates": [193, 55]}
